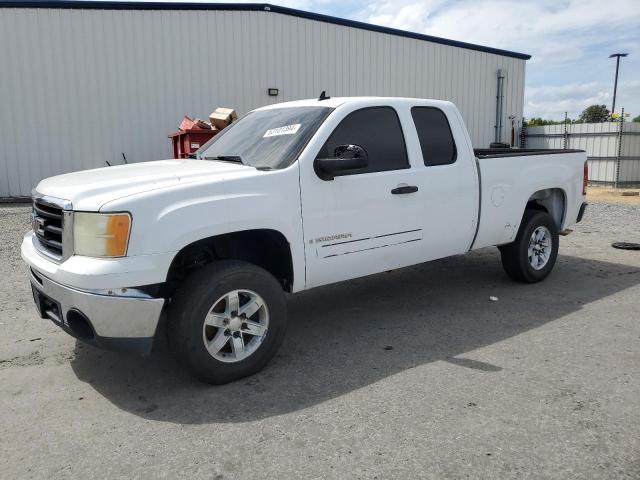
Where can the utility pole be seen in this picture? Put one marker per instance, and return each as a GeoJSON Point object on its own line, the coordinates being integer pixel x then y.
{"type": "Point", "coordinates": [615, 83]}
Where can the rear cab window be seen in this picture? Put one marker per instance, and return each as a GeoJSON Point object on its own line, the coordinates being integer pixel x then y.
{"type": "Point", "coordinates": [378, 131]}
{"type": "Point", "coordinates": [435, 136]}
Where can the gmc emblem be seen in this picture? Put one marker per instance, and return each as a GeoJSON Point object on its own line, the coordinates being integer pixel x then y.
{"type": "Point", "coordinates": [38, 225]}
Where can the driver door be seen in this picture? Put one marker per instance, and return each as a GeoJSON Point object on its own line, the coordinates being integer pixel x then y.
{"type": "Point", "coordinates": [365, 220]}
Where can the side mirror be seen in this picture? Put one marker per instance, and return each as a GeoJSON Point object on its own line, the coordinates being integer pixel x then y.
{"type": "Point", "coordinates": [345, 158]}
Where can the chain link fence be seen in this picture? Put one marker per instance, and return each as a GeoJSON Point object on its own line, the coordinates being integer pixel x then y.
{"type": "Point", "coordinates": [613, 148]}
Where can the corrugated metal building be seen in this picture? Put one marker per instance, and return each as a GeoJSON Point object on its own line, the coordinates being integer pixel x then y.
{"type": "Point", "coordinates": [84, 82]}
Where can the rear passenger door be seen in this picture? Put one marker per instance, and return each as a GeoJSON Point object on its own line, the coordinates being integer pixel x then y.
{"type": "Point", "coordinates": [355, 224]}
{"type": "Point", "coordinates": [447, 180]}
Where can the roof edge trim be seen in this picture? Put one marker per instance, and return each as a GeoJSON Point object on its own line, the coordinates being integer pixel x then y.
{"type": "Point", "coordinates": [129, 5]}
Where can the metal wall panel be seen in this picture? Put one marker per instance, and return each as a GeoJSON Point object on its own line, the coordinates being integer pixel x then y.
{"type": "Point", "coordinates": [604, 145]}
{"type": "Point", "coordinates": [81, 87]}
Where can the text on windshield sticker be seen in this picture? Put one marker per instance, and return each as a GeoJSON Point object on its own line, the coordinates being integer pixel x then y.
{"type": "Point", "coordinates": [286, 130]}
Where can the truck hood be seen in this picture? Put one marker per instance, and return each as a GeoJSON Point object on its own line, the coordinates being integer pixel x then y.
{"type": "Point", "coordinates": [90, 189]}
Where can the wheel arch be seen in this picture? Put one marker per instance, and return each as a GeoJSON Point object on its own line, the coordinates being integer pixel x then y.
{"type": "Point", "coordinates": [550, 200]}
{"type": "Point", "coordinates": [266, 248]}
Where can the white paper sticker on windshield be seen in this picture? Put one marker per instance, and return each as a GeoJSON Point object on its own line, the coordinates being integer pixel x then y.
{"type": "Point", "coordinates": [286, 130]}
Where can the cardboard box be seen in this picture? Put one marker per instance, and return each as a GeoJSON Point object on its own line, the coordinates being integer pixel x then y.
{"type": "Point", "coordinates": [221, 117]}
{"type": "Point", "coordinates": [186, 124]}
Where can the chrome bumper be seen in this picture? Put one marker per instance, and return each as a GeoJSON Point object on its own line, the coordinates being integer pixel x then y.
{"type": "Point", "coordinates": [107, 321]}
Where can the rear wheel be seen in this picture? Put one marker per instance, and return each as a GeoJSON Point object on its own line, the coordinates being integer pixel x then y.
{"type": "Point", "coordinates": [532, 255]}
{"type": "Point", "coordinates": [227, 321]}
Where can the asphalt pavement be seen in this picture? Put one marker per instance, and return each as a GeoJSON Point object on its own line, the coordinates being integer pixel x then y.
{"type": "Point", "coordinates": [409, 374]}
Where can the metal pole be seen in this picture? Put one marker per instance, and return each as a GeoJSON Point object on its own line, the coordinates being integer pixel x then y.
{"type": "Point", "coordinates": [615, 85]}
{"type": "Point", "coordinates": [564, 141]}
{"type": "Point", "coordinates": [619, 151]}
{"type": "Point", "coordinates": [499, 95]}
{"type": "Point", "coordinates": [615, 82]}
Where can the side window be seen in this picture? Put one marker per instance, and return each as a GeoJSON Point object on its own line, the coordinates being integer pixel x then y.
{"type": "Point", "coordinates": [434, 133]}
{"type": "Point", "coordinates": [378, 131]}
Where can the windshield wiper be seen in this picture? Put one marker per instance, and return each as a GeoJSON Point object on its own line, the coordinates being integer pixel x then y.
{"type": "Point", "coordinates": [225, 158]}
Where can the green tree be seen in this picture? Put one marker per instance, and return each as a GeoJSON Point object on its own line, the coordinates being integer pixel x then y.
{"type": "Point", "coordinates": [636, 119]}
{"type": "Point", "coordinates": [594, 114]}
{"type": "Point", "coordinates": [536, 122]}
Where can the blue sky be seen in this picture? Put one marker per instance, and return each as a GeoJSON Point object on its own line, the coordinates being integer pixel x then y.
{"type": "Point", "coordinates": [569, 40]}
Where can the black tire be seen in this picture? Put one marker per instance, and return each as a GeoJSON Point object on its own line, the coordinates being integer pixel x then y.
{"type": "Point", "coordinates": [193, 300]}
{"type": "Point", "coordinates": [515, 260]}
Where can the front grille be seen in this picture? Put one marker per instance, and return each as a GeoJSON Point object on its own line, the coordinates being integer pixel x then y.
{"type": "Point", "coordinates": [47, 222]}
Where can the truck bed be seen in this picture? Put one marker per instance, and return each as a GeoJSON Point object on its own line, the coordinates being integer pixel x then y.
{"type": "Point", "coordinates": [508, 178]}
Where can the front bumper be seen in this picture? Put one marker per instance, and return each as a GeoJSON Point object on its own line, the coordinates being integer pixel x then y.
{"type": "Point", "coordinates": [107, 321]}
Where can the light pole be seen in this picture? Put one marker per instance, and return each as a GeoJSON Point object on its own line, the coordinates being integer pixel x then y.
{"type": "Point", "coordinates": [615, 83]}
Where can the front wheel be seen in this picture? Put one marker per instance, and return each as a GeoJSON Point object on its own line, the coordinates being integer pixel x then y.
{"type": "Point", "coordinates": [227, 321]}
{"type": "Point", "coordinates": [532, 255]}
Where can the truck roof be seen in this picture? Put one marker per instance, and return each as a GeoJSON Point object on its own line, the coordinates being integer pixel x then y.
{"type": "Point", "coordinates": [334, 102]}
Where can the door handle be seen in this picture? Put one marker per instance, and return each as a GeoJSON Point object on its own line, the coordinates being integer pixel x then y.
{"type": "Point", "coordinates": [404, 189]}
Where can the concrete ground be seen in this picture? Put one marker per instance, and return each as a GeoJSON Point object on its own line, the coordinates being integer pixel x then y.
{"type": "Point", "coordinates": [614, 195]}
{"type": "Point", "coordinates": [543, 383]}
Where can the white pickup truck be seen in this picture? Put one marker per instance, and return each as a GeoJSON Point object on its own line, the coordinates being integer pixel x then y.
{"type": "Point", "coordinates": [290, 197]}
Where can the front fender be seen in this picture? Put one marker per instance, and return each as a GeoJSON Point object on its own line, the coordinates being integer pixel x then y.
{"type": "Point", "coordinates": [170, 219]}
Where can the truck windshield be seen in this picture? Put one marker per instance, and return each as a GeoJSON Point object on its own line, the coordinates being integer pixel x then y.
{"type": "Point", "coordinates": [266, 139]}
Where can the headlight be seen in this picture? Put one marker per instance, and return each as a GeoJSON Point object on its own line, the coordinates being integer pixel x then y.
{"type": "Point", "coordinates": [101, 234]}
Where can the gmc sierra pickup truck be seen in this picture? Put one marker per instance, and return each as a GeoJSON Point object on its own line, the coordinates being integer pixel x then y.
{"type": "Point", "coordinates": [290, 197]}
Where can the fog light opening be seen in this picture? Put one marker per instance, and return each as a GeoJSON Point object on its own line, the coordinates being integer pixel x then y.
{"type": "Point", "coordinates": [80, 325]}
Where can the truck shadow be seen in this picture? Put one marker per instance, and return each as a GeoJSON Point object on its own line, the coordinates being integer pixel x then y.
{"type": "Point", "coordinates": [346, 336]}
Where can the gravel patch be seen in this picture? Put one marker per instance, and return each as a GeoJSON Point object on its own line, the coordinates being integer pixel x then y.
{"type": "Point", "coordinates": [14, 223]}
